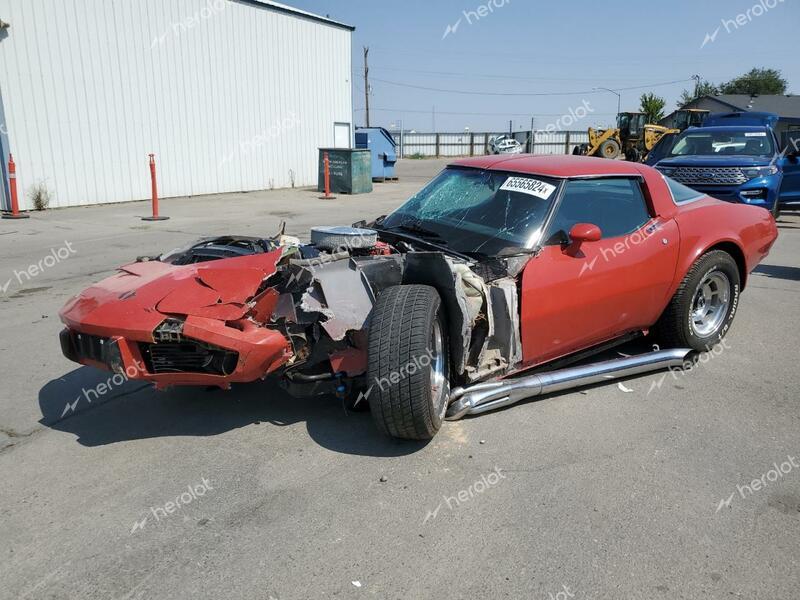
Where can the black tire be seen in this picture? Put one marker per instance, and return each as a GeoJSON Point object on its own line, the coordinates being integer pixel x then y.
{"type": "Point", "coordinates": [677, 327]}
{"type": "Point", "coordinates": [404, 322]}
{"type": "Point", "coordinates": [609, 149]}
{"type": "Point", "coordinates": [633, 155]}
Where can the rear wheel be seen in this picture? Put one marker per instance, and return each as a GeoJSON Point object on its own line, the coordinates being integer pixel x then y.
{"type": "Point", "coordinates": [609, 149]}
{"type": "Point", "coordinates": [408, 362]}
{"type": "Point", "coordinates": [580, 150]}
{"type": "Point", "coordinates": [702, 309]}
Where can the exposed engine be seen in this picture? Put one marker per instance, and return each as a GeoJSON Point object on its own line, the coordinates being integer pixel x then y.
{"type": "Point", "coordinates": [326, 290]}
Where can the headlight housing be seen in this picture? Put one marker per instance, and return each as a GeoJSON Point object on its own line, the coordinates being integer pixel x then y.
{"type": "Point", "coordinates": [668, 171]}
{"type": "Point", "coordinates": [753, 172]}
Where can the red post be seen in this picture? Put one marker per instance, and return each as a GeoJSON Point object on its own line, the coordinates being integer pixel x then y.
{"type": "Point", "coordinates": [12, 184]}
{"type": "Point", "coordinates": [327, 171]}
{"type": "Point", "coordinates": [154, 189]}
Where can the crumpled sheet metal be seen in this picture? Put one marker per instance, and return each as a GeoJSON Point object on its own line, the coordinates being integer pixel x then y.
{"type": "Point", "coordinates": [214, 293]}
{"type": "Point", "coordinates": [342, 295]}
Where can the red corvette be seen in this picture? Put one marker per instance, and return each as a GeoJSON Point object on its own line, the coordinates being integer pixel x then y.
{"type": "Point", "coordinates": [473, 294]}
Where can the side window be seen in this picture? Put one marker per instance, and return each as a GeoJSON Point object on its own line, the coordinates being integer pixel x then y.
{"type": "Point", "coordinates": [681, 193]}
{"type": "Point", "coordinates": [615, 205]}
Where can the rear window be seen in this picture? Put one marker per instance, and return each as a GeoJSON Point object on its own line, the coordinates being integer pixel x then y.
{"type": "Point", "coordinates": [681, 193]}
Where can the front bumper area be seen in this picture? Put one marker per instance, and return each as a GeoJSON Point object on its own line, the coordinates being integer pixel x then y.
{"type": "Point", "coordinates": [760, 191]}
{"type": "Point", "coordinates": [207, 352]}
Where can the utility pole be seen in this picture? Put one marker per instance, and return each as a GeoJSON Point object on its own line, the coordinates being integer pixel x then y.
{"type": "Point", "coordinates": [696, 85]}
{"type": "Point", "coordinates": [366, 82]}
{"type": "Point", "coordinates": [531, 139]}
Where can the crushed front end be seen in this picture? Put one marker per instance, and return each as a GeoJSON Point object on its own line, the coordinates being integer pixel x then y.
{"type": "Point", "coordinates": [236, 309]}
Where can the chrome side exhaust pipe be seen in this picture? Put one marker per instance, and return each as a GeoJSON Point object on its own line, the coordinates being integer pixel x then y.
{"type": "Point", "coordinates": [483, 397]}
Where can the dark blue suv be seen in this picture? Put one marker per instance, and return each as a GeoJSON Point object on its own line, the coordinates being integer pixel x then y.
{"type": "Point", "coordinates": [735, 157]}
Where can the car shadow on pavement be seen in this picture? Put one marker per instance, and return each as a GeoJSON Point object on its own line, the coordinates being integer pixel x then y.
{"type": "Point", "coordinates": [778, 272]}
{"type": "Point", "coordinates": [133, 410]}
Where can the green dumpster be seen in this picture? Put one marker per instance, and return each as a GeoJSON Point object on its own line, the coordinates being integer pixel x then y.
{"type": "Point", "coordinates": [350, 170]}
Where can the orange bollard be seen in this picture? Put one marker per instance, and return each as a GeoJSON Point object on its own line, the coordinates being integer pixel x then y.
{"type": "Point", "coordinates": [327, 170]}
{"type": "Point", "coordinates": [12, 184]}
{"type": "Point", "coordinates": [154, 189]}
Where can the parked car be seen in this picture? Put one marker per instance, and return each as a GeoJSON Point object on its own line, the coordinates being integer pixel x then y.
{"type": "Point", "coordinates": [498, 266]}
{"type": "Point", "coordinates": [735, 157]}
{"type": "Point", "coordinates": [505, 145]}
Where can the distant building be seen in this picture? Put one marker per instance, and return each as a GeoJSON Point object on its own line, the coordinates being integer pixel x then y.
{"type": "Point", "coordinates": [787, 107]}
{"type": "Point", "coordinates": [229, 95]}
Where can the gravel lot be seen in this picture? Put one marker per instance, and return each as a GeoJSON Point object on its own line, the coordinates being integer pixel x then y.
{"type": "Point", "coordinates": [607, 493]}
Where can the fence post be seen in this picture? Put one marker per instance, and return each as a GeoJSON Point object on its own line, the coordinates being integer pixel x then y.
{"type": "Point", "coordinates": [566, 144]}
{"type": "Point", "coordinates": [437, 145]}
{"type": "Point", "coordinates": [472, 144]}
{"type": "Point", "coordinates": [533, 141]}
{"type": "Point", "coordinates": [486, 143]}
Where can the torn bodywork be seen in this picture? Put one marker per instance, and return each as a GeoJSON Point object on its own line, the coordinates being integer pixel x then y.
{"type": "Point", "coordinates": [237, 309]}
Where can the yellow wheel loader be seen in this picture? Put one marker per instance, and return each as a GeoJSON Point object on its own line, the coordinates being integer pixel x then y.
{"type": "Point", "coordinates": [633, 136]}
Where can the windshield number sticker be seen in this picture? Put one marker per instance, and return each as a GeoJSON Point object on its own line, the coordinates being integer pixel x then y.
{"type": "Point", "coordinates": [526, 185]}
{"type": "Point", "coordinates": [755, 134]}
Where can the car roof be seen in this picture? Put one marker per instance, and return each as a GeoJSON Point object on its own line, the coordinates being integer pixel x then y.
{"type": "Point", "coordinates": [718, 128]}
{"type": "Point", "coordinates": [563, 166]}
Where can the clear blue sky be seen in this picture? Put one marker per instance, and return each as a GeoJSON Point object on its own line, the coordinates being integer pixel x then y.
{"type": "Point", "coordinates": [532, 46]}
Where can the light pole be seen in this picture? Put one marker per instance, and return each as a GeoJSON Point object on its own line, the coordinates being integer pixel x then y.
{"type": "Point", "coordinates": [399, 124]}
{"type": "Point", "coordinates": [617, 94]}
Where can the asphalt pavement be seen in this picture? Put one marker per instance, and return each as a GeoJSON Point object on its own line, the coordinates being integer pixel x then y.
{"type": "Point", "coordinates": [671, 485]}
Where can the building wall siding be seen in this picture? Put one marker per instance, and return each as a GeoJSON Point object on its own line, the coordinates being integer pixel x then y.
{"type": "Point", "coordinates": [229, 96]}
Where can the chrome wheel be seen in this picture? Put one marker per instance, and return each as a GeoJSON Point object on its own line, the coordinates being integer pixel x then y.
{"type": "Point", "coordinates": [710, 304]}
{"type": "Point", "coordinates": [439, 382]}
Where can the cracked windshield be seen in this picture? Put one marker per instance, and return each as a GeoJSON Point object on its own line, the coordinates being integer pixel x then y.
{"type": "Point", "coordinates": [477, 211]}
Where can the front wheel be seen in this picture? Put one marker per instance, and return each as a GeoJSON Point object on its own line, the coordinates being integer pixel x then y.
{"type": "Point", "coordinates": [702, 309]}
{"type": "Point", "coordinates": [633, 154]}
{"type": "Point", "coordinates": [610, 149]}
{"type": "Point", "coordinates": [408, 362]}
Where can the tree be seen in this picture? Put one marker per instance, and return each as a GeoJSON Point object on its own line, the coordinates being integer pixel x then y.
{"type": "Point", "coordinates": [756, 82]}
{"type": "Point", "coordinates": [653, 107]}
{"type": "Point", "coordinates": [704, 88]}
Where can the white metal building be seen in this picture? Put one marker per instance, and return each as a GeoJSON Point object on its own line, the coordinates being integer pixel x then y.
{"type": "Point", "coordinates": [230, 95]}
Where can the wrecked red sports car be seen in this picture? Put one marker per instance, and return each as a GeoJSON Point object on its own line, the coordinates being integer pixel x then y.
{"type": "Point", "coordinates": [472, 295]}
